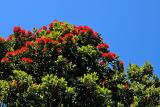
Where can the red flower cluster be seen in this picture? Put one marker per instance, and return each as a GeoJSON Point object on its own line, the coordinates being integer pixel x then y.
{"type": "Point", "coordinates": [10, 53]}
{"type": "Point", "coordinates": [17, 29]}
{"type": "Point", "coordinates": [48, 32]}
{"type": "Point", "coordinates": [68, 35]}
{"type": "Point", "coordinates": [84, 29]}
{"type": "Point", "coordinates": [27, 60]}
{"type": "Point", "coordinates": [10, 38]}
{"type": "Point", "coordinates": [21, 31]}
{"type": "Point", "coordinates": [101, 63]}
{"type": "Point", "coordinates": [52, 24]}
{"type": "Point", "coordinates": [61, 39]}
{"type": "Point", "coordinates": [45, 40]}
{"type": "Point", "coordinates": [105, 55]}
{"type": "Point", "coordinates": [29, 33]}
{"type": "Point", "coordinates": [17, 52]}
{"type": "Point", "coordinates": [42, 28]}
{"type": "Point", "coordinates": [29, 43]}
{"type": "Point", "coordinates": [1, 39]}
{"type": "Point", "coordinates": [21, 50]}
{"type": "Point", "coordinates": [68, 38]}
{"type": "Point", "coordinates": [109, 55]}
{"type": "Point", "coordinates": [121, 63]}
{"type": "Point", "coordinates": [4, 59]}
{"type": "Point", "coordinates": [103, 46]}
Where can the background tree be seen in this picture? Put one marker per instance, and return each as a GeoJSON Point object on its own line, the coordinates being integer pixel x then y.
{"type": "Point", "coordinates": [66, 65]}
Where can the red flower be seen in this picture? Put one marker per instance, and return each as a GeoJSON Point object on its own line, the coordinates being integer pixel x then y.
{"type": "Point", "coordinates": [4, 59]}
{"type": "Point", "coordinates": [68, 35]}
{"type": "Point", "coordinates": [33, 36]}
{"type": "Point", "coordinates": [48, 31]}
{"type": "Point", "coordinates": [23, 32]}
{"type": "Point", "coordinates": [75, 30]}
{"type": "Point", "coordinates": [95, 34]}
{"type": "Point", "coordinates": [44, 28]}
{"type": "Point", "coordinates": [10, 38]}
{"type": "Point", "coordinates": [101, 63]}
{"type": "Point", "coordinates": [112, 55]}
{"type": "Point", "coordinates": [54, 21]}
{"type": "Point", "coordinates": [39, 40]}
{"type": "Point", "coordinates": [51, 26]}
{"type": "Point", "coordinates": [109, 55]}
{"type": "Point", "coordinates": [1, 39]}
{"type": "Point", "coordinates": [61, 39]}
{"type": "Point", "coordinates": [121, 63]}
{"type": "Point", "coordinates": [10, 53]}
{"type": "Point", "coordinates": [45, 40]}
{"type": "Point", "coordinates": [29, 33]}
{"type": "Point", "coordinates": [21, 50]}
{"type": "Point", "coordinates": [103, 46]}
{"type": "Point", "coordinates": [27, 60]}
{"type": "Point", "coordinates": [61, 23]}
{"type": "Point", "coordinates": [17, 29]}
{"type": "Point", "coordinates": [105, 55]}
{"type": "Point", "coordinates": [16, 52]}
{"type": "Point", "coordinates": [84, 29]}
{"type": "Point", "coordinates": [28, 43]}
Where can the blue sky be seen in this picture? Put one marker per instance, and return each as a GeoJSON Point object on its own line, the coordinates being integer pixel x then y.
{"type": "Point", "coordinates": [131, 27]}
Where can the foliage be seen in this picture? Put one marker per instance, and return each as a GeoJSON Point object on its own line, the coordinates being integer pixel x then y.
{"type": "Point", "coordinates": [65, 65]}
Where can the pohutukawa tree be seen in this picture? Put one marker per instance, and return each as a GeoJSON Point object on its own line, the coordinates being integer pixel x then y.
{"type": "Point", "coordinates": [63, 65]}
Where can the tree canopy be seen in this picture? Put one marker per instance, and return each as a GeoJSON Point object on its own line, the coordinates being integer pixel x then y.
{"type": "Point", "coordinates": [64, 65]}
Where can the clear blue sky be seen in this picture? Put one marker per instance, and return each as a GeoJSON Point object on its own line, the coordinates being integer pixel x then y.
{"type": "Point", "coordinates": [131, 27]}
